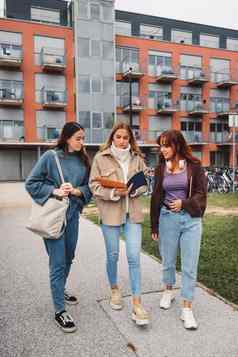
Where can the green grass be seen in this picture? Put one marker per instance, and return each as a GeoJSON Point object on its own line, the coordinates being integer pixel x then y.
{"type": "Point", "coordinates": [218, 265]}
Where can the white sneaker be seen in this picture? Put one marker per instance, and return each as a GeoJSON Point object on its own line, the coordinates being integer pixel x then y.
{"type": "Point", "coordinates": [166, 299]}
{"type": "Point", "coordinates": [188, 319]}
{"type": "Point", "coordinates": [116, 299]}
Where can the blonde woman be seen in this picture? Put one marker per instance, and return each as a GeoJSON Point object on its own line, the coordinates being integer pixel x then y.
{"type": "Point", "coordinates": [120, 211]}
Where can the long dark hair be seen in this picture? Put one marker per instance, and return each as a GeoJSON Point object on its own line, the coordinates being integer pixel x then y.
{"type": "Point", "coordinates": [69, 130]}
{"type": "Point", "coordinates": [175, 139]}
{"type": "Point", "coordinates": [132, 140]}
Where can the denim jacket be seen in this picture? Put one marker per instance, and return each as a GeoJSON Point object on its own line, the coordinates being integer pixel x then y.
{"type": "Point", "coordinates": [44, 178]}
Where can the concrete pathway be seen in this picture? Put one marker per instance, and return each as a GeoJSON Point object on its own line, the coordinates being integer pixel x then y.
{"type": "Point", "coordinates": [27, 326]}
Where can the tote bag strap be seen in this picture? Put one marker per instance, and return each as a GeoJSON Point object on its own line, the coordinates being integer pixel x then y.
{"type": "Point", "coordinates": [58, 165]}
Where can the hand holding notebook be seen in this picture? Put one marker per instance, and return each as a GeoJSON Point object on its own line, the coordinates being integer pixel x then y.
{"type": "Point", "coordinates": [136, 181]}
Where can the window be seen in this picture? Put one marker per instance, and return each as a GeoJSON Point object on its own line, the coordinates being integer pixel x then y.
{"type": "Point", "coordinates": [108, 85]}
{"type": "Point", "coordinates": [123, 28]}
{"type": "Point", "coordinates": [127, 57]}
{"type": "Point", "coordinates": [83, 47]}
{"type": "Point", "coordinates": [95, 48]}
{"type": "Point", "coordinates": [122, 92]}
{"type": "Point", "coordinates": [157, 125]}
{"type": "Point", "coordinates": [95, 11]}
{"type": "Point", "coordinates": [45, 15]}
{"type": "Point", "coordinates": [232, 44]}
{"type": "Point", "coordinates": [181, 37]}
{"type": "Point", "coordinates": [11, 129]}
{"type": "Point", "coordinates": [84, 119]}
{"type": "Point", "coordinates": [107, 13]}
{"type": "Point", "coordinates": [107, 50]}
{"type": "Point", "coordinates": [151, 32]}
{"type": "Point", "coordinates": [191, 130]}
{"type": "Point", "coordinates": [159, 62]}
{"type": "Point", "coordinates": [97, 121]}
{"type": "Point", "coordinates": [96, 85]}
{"type": "Point", "coordinates": [191, 99]}
{"type": "Point", "coordinates": [84, 84]}
{"type": "Point", "coordinates": [209, 41]}
{"type": "Point", "coordinates": [190, 67]}
{"type": "Point", "coordinates": [108, 119]}
{"type": "Point", "coordinates": [220, 69]}
{"type": "Point", "coordinates": [83, 9]}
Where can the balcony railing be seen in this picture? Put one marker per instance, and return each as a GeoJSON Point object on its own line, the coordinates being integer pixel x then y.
{"type": "Point", "coordinates": [11, 130]}
{"type": "Point", "coordinates": [53, 99]}
{"type": "Point", "coordinates": [195, 108]}
{"type": "Point", "coordinates": [52, 59]}
{"type": "Point", "coordinates": [194, 75]}
{"type": "Point", "coordinates": [224, 108]}
{"type": "Point", "coordinates": [193, 137]}
{"type": "Point", "coordinates": [130, 69]}
{"type": "Point", "coordinates": [224, 137]}
{"type": "Point", "coordinates": [224, 79]}
{"type": "Point", "coordinates": [166, 105]}
{"type": "Point", "coordinates": [10, 55]}
{"type": "Point", "coordinates": [11, 93]}
{"type": "Point", "coordinates": [166, 74]}
{"type": "Point", "coordinates": [96, 136]}
{"type": "Point", "coordinates": [138, 103]}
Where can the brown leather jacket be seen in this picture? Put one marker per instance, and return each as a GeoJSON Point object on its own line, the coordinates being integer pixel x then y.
{"type": "Point", "coordinates": [196, 202]}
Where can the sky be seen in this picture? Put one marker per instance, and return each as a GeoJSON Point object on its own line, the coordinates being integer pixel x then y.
{"type": "Point", "coordinates": [208, 12]}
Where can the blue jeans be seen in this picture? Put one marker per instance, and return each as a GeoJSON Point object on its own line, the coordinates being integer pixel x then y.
{"type": "Point", "coordinates": [180, 230]}
{"type": "Point", "coordinates": [133, 238]}
{"type": "Point", "coordinates": [61, 253]}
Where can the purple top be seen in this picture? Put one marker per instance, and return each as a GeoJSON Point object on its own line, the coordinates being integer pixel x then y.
{"type": "Point", "coordinates": [175, 186]}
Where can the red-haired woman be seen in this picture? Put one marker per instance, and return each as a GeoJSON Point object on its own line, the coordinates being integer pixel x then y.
{"type": "Point", "coordinates": [177, 205]}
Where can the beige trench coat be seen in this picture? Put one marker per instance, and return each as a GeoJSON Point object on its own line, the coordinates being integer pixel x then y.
{"type": "Point", "coordinates": [113, 213]}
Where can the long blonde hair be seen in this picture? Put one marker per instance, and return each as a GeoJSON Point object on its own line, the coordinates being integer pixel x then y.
{"type": "Point", "coordinates": [132, 141]}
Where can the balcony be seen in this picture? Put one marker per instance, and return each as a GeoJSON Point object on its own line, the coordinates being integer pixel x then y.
{"type": "Point", "coordinates": [166, 74]}
{"type": "Point", "coordinates": [11, 93]}
{"type": "Point", "coordinates": [138, 103]}
{"type": "Point", "coordinates": [196, 108]}
{"type": "Point", "coordinates": [224, 109]}
{"type": "Point", "coordinates": [11, 130]}
{"type": "Point", "coordinates": [194, 75]}
{"type": "Point", "coordinates": [225, 80]}
{"type": "Point", "coordinates": [52, 99]}
{"type": "Point", "coordinates": [165, 105]}
{"type": "Point", "coordinates": [10, 56]}
{"type": "Point", "coordinates": [194, 137]}
{"type": "Point", "coordinates": [52, 60]}
{"type": "Point", "coordinates": [96, 135]}
{"type": "Point", "coordinates": [130, 70]}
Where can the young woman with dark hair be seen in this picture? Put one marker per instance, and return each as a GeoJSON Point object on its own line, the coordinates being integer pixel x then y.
{"type": "Point", "coordinates": [44, 182]}
{"type": "Point", "coordinates": [120, 211]}
{"type": "Point", "coordinates": [178, 202]}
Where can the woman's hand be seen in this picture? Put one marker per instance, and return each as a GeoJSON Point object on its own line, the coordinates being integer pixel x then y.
{"type": "Point", "coordinates": [122, 192]}
{"type": "Point", "coordinates": [67, 188]}
{"type": "Point", "coordinates": [60, 193]}
{"type": "Point", "coordinates": [155, 236]}
{"type": "Point", "coordinates": [176, 205]}
{"type": "Point", "coordinates": [76, 192]}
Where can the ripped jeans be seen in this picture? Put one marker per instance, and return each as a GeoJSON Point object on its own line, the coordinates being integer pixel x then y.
{"type": "Point", "coordinates": [133, 238]}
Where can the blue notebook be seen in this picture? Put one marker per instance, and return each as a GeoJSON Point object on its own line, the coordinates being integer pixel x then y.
{"type": "Point", "coordinates": [137, 180]}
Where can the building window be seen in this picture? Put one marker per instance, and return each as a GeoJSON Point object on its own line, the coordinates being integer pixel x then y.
{"type": "Point", "coordinates": [95, 48]}
{"type": "Point", "coordinates": [151, 32]}
{"type": "Point", "coordinates": [108, 86]}
{"type": "Point", "coordinates": [220, 69]}
{"type": "Point", "coordinates": [96, 85]}
{"type": "Point", "coordinates": [95, 11]}
{"type": "Point", "coordinates": [108, 120]}
{"type": "Point", "coordinates": [84, 84]}
{"type": "Point", "coordinates": [84, 119]}
{"type": "Point", "coordinates": [181, 37]}
{"type": "Point", "coordinates": [83, 9]}
{"type": "Point", "coordinates": [107, 50]}
{"type": "Point", "coordinates": [83, 47]}
{"type": "Point", "coordinates": [159, 62]}
{"type": "Point", "coordinates": [123, 28]}
{"type": "Point", "coordinates": [190, 66]}
{"type": "Point", "coordinates": [209, 41]}
{"type": "Point", "coordinates": [232, 44]}
{"type": "Point", "coordinates": [45, 15]}
{"type": "Point", "coordinates": [192, 130]}
{"type": "Point", "coordinates": [126, 58]}
{"type": "Point", "coordinates": [107, 13]}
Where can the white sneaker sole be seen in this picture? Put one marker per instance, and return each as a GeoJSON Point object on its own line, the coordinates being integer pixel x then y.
{"type": "Point", "coordinates": [66, 330]}
{"type": "Point", "coordinates": [138, 321]}
{"type": "Point", "coordinates": [167, 307]}
{"type": "Point", "coordinates": [116, 307]}
{"type": "Point", "coordinates": [192, 328]}
{"type": "Point", "coordinates": [71, 302]}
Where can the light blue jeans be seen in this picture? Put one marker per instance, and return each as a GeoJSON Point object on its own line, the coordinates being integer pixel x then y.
{"type": "Point", "coordinates": [133, 238]}
{"type": "Point", "coordinates": [61, 254]}
{"type": "Point", "coordinates": [180, 230]}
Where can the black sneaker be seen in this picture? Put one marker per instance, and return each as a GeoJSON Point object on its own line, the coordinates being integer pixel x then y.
{"type": "Point", "coordinates": [70, 299]}
{"type": "Point", "coordinates": [65, 321]}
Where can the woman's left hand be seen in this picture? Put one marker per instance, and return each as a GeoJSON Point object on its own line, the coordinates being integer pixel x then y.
{"type": "Point", "coordinates": [176, 205]}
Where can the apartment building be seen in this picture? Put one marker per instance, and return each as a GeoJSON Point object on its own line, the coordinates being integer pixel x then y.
{"type": "Point", "coordinates": [83, 60]}
{"type": "Point", "coordinates": [36, 82]}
